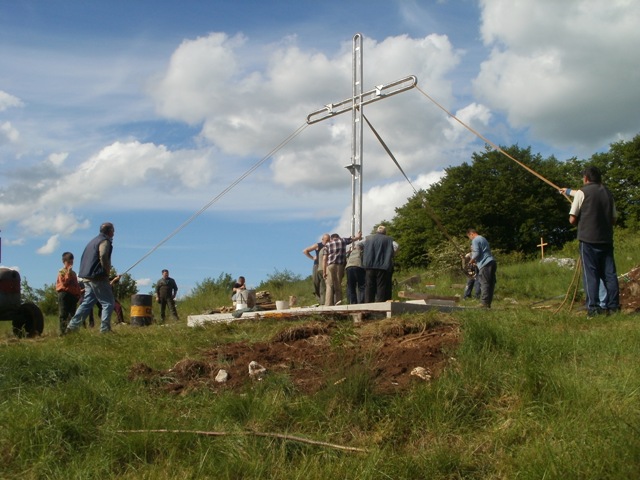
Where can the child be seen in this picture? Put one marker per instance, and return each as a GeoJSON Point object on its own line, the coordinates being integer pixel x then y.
{"type": "Point", "coordinates": [68, 291]}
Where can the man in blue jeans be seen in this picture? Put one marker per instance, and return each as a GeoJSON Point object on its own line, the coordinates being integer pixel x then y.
{"type": "Point", "coordinates": [482, 258]}
{"type": "Point", "coordinates": [593, 211]}
{"type": "Point", "coordinates": [95, 266]}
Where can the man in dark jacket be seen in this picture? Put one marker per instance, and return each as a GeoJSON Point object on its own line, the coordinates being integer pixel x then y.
{"type": "Point", "coordinates": [593, 211]}
{"type": "Point", "coordinates": [377, 260]}
{"type": "Point", "coordinates": [95, 266]}
{"type": "Point", "coordinates": [166, 291]}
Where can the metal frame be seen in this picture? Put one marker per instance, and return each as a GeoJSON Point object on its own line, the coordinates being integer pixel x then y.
{"type": "Point", "coordinates": [356, 104]}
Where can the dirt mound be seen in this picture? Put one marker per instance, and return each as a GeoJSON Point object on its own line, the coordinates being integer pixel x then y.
{"type": "Point", "coordinates": [318, 354]}
{"type": "Point", "coordinates": [630, 291]}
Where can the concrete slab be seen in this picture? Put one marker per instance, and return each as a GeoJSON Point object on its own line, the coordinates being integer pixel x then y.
{"type": "Point", "coordinates": [355, 311]}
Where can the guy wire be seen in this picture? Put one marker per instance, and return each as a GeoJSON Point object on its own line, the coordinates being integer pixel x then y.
{"type": "Point", "coordinates": [425, 204]}
{"type": "Point", "coordinates": [253, 168]}
{"type": "Point", "coordinates": [489, 142]}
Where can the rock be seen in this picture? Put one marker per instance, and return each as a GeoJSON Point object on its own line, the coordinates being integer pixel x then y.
{"type": "Point", "coordinates": [561, 262]}
{"type": "Point", "coordinates": [256, 371]}
{"type": "Point", "coordinates": [222, 376]}
{"type": "Point", "coordinates": [421, 372]}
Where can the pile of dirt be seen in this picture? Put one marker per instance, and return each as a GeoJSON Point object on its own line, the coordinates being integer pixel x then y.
{"type": "Point", "coordinates": [317, 354]}
{"type": "Point", "coordinates": [630, 291]}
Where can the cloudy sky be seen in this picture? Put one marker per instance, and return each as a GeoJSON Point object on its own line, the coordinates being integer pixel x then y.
{"type": "Point", "coordinates": [145, 113]}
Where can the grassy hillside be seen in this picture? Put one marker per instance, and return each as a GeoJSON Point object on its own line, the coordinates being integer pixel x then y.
{"type": "Point", "coordinates": [528, 393]}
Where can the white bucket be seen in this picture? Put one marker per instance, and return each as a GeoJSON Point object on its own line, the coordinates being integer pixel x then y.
{"type": "Point", "coordinates": [282, 305]}
{"type": "Point", "coordinates": [247, 298]}
{"type": "Point", "coordinates": [241, 306]}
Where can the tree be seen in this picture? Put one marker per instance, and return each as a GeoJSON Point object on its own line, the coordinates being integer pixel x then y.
{"type": "Point", "coordinates": [48, 299]}
{"type": "Point", "coordinates": [279, 279]}
{"type": "Point", "coordinates": [211, 288]}
{"type": "Point", "coordinates": [125, 287]}
{"type": "Point", "coordinates": [415, 231]}
{"type": "Point", "coordinates": [620, 168]}
{"type": "Point", "coordinates": [27, 293]}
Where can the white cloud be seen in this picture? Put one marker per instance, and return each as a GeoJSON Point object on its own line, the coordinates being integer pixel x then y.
{"type": "Point", "coordinates": [43, 199]}
{"type": "Point", "coordinates": [247, 111]}
{"type": "Point", "coordinates": [13, 242]}
{"type": "Point", "coordinates": [246, 99]}
{"type": "Point", "coordinates": [51, 246]}
{"type": "Point", "coordinates": [379, 203]}
{"type": "Point", "coordinates": [8, 133]}
{"type": "Point", "coordinates": [8, 101]}
{"type": "Point", "coordinates": [245, 108]}
{"type": "Point", "coordinates": [473, 116]}
{"type": "Point", "coordinates": [58, 158]}
{"type": "Point", "coordinates": [143, 282]}
{"type": "Point", "coordinates": [568, 71]}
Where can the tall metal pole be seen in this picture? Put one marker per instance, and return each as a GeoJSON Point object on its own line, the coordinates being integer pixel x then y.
{"type": "Point", "coordinates": [357, 127]}
{"type": "Point", "coordinates": [356, 104]}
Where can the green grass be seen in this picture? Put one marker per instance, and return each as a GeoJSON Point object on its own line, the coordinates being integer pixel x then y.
{"type": "Point", "coordinates": [529, 394]}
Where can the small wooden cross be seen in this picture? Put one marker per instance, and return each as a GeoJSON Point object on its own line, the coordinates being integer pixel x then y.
{"type": "Point", "coordinates": [542, 244]}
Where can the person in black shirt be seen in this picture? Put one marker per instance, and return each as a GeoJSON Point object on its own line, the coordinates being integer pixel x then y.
{"type": "Point", "coordinates": [166, 291]}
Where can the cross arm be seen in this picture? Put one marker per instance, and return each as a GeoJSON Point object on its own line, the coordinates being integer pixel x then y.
{"type": "Point", "coordinates": [378, 93]}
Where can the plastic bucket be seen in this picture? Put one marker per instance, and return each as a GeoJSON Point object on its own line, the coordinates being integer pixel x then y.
{"type": "Point", "coordinates": [247, 298]}
{"type": "Point", "coordinates": [282, 305]}
{"type": "Point", "coordinates": [141, 313]}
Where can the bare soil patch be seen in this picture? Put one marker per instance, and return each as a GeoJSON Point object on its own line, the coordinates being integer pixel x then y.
{"type": "Point", "coordinates": [317, 354]}
{"type": "Point", "coordinates": [630, 291]}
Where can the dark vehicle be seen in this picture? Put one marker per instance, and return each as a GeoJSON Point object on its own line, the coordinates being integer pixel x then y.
{"type": "Point", "coordinates": [27, 318]}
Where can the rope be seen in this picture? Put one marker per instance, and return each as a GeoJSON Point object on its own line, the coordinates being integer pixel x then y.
{"type": "Point", "coordinates": [222, 193]}
{"type": "Point", "coordinates": [425, 204]}
{"type": "Point", "coordinates": [489, 142]}
{"type": "Point", "coordinates": [575, 283]}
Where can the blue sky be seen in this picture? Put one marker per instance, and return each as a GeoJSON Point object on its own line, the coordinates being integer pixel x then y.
{"type": "Point", "coordinates": [143, 112]}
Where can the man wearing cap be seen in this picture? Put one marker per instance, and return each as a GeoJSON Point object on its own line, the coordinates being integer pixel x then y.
{"type": "Point", "coordinates": [377, 260]}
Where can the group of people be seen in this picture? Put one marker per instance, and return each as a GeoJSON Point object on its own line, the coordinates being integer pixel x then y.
{"type": "Point", "coordinates": [95, 267]}
{"type": "Point", "coordinates": [368, 265]}
{"type": "Point", "coordinates": [92, 285]}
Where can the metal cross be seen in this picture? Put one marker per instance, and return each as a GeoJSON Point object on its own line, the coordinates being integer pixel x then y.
{"type": "Point", "coordinates": [356, 104]}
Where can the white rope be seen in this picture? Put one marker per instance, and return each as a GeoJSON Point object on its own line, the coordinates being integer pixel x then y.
{"type": "Point", "coordinates": [255, 166]}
